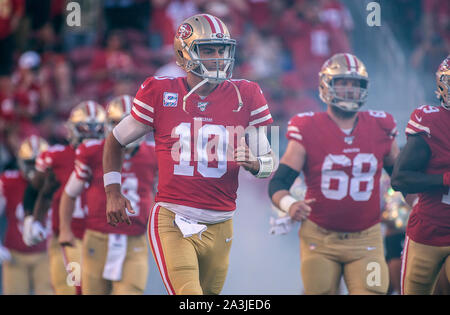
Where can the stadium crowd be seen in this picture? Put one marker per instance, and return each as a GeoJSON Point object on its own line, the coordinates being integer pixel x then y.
{"type": "Point", "coordinates": [47, 67]}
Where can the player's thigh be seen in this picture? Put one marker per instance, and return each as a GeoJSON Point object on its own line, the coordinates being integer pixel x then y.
{"type": "Point", "coordinates": [16, 280]}
{"type": "Point", "coordinates": [58, 272]}
{"type": "Point", "coordinates": [175, 256]}
{"type": "Point", "coordinates": [41, 274]}
{"type": "Point", "coordinates": [215, 261]}
{"type": "Point", "coordinates": [420, 267]}
{"type": "Point", "coordinates": [94, 251]}
{"type": "Point", "coordinates": [320, 273]}
{"type": "Point", "coordinates": [135, 268]}
{"type": "Point", "coordinates": [367, 275]}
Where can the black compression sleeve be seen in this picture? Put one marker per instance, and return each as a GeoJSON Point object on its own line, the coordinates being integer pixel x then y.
{"type": "Point", "coordinates": [29, 199]}
{"type": "Point", "coordinates": [283, 179]}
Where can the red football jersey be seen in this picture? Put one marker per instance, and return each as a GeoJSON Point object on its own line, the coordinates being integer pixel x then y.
{"type": "Point", "coordinates": [60, 159]}
{"type": "Point", "coordinates": [195, 147]}
{"type": "Point", "coordinates": [342, 172]}
{"type": "Point", "coordinates": [12, 188]}
{"type": "Point", "coordinates": [138, 174]}
{"type": "Point", "coordinates": [429, 222]}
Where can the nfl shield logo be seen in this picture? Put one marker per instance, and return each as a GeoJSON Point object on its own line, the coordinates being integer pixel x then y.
{"type": "Point", "coordinates": [202, 105]}
{"type": "Point", "coordinates": [348, 140]}
{"type": "Point", "coordinates": [170, 99]}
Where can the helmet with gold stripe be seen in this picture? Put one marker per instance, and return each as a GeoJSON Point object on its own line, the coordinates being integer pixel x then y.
{"type": "Point", "coordinates": [343, 82]}
{"type": "Point", "coordinates": [29, 150]}
{"type": "Point", "coordinates": [443, 83]}
{"type": "Point", "coordinates": [87, 121]}
{"type": "Point", "coordinates": [204, 30]}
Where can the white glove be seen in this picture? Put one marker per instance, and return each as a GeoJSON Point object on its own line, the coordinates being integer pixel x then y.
{"type": "Point", "coordinates": [33, 231]}
{"type": "Point", "coordinates": [281, 225]}
{"type": "Point", "coordinates": [5, 255]}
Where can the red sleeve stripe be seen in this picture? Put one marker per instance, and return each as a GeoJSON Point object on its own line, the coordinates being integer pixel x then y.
{"type": "Point", "coordinates": [143, 105]}
{"type": "Point", "coordinates": [260, 120]}
{"type": "Point", "coordinates": [141, 115]}
{"type": "Point", "coordinates": [259, 110]}
{"type": "Point", "coordinates": [418, 127]}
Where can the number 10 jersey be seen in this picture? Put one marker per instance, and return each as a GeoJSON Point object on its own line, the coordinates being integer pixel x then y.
{"type": "Point", "coordinates": [342, 172]}
{"type": "Point", "coordinates": [195, 142]}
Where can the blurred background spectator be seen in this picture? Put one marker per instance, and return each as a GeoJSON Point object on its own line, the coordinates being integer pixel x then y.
{"type": "Point", "coordinates": [281, 45]}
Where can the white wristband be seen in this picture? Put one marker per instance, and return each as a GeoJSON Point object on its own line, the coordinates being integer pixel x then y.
{"type": "Point", "coordinates": [265, 166]}
{"type": "Point", "coordinates": [112, 178]}
{"type": "Point", "coordinates": [286, 202]}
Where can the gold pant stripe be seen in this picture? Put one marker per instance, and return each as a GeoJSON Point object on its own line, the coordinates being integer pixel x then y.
{"type": "Point", "coordinates": [155, 243]}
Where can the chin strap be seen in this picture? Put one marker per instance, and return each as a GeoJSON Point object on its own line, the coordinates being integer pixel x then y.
{"type": "Point", "coordinates": [240, 104]}
{"type": "Point", "coordinates": [192, 91]}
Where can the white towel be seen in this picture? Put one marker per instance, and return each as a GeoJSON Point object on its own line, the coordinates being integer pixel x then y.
{"type": "Point", "coordinates": [117, 251]}
{"type": "Point", "coordinates": [189, 227]}
{"type": "Point", "coordinates": [281, 225]}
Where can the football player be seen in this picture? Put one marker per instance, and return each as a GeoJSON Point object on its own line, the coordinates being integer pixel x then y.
{"type": "Point", "coordinates": [115, 259]}
{"type": "Point", "coordinates": [86, 121]}
{"type": "Point", "coordinates": [25, 269]}
{"type": "Point", "coordinates": [423, 167]}
{"type": "Point", "coordinates": [342, 153]}
{"type": "Point", "coordinates": [199, 122]}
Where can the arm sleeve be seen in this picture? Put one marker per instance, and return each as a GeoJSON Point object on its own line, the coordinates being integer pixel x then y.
{"type": "Point", "coordinates": [129, 129]}
{"type": "Point", "coordinates": [257, 141]}
{"type": "Point", "coordinates": [74, 186]}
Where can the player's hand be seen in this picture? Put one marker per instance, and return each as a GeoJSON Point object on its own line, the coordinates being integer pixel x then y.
{"type": "Point", "coordinates": [66, 238]}
{"type": "Point", "coordinates": [116, 208]}
{"type": "Point", "coordinates": [301, 209]}
{"type": "Point", "coordinates": [5, 255]}
{"type": "Point", "coordinates": [33, 231]}
{"type": "Point", "coordinates": [245, 158]}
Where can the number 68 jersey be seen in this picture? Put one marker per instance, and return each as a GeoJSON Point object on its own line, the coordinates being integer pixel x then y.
{"type": "Point", "coordinates": [342, 171]}
{"type": "Point", "coordinates": [195, 143]}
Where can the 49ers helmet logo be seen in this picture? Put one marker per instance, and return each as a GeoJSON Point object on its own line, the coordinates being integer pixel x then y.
{"type": "Point", "coordinates": [184, 31]}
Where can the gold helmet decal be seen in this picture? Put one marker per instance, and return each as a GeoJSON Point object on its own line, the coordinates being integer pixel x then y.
{"type": "Point", "coordinates": [86, 121]}
{"type": "Point", "coordinates": [204, 29]}
{"type": "Point", "coordinates": [443, 83]}
{"type": "Point", "coordinates": [29, 150]}
{"type": "Point", "coordinates": [343, 66]}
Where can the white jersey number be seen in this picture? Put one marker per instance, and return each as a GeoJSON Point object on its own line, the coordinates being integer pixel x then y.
{"type": "Point", "coordinates": [203, 148]}
{"type": "Point", "coordinates": [344, 182]}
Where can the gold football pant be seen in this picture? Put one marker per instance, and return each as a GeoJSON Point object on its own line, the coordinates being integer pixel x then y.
{"type": "Point", "coordinates": [134, 269]}
{"type": "Point", "coordinates": [327, 255]}
{"type": "Point", "coordinates": [189, 266]}
{"type": "Point", "coordinates": [421, 265]}
{"type": "Point", "coordinates": [27, 273]}
{"type": "Point", "coordinates": [65, 265]}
